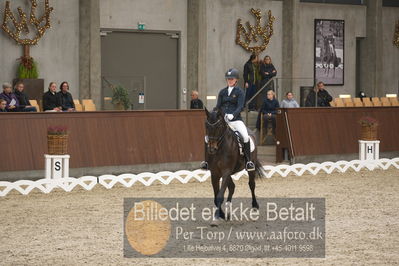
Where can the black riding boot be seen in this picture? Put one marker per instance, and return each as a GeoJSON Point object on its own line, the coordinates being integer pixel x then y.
{"type": "Point", "coordinates": [249, 165]}
{"type": "Point", "coordinates": [204, 164]}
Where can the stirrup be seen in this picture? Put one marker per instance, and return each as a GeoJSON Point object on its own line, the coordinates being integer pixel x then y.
{"type": "Point", "coordinates": [250, 166]}
{"type": "Point", "coordinates": [204, 165]}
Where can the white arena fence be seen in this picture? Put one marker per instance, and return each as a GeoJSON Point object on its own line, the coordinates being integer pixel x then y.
{"type": "Point", "coordinates": [128, 180]}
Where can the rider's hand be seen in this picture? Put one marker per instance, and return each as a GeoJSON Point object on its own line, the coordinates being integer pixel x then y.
{"type": "Point", "coordinates": [229, 117]}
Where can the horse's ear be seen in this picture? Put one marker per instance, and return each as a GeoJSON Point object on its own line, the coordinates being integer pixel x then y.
{"type": "Point", "coordinates": [207, 112]}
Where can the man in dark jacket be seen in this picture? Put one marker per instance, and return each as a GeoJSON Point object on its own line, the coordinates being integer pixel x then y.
{"type": "Point", "coordinates": [24, 104]}
{"type": "Point", "coordinates": [65, 98]}
{"type": "Point", "coordinates": [195, 102]}
{"type": "Point", "coordinates": [51, 102]}
{"type": "Point", "coordinates": [322, 95]}
{"type": "Point", "coordinates": [250, 80]}
{"type": "Point", "coordinates": [10, 98]}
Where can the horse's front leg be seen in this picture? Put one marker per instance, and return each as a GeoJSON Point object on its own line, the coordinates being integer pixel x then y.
{"type": "Point", "coordinates": [219, 214]}
{"type": "Point", "coordinates": [251, 184]}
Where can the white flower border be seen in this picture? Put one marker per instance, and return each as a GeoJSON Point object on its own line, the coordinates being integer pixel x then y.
{"type": "Point", "coordinates": [184, 176]}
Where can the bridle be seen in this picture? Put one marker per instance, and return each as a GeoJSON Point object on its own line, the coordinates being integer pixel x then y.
{"type": "Point", "coordinates": [217, 139]}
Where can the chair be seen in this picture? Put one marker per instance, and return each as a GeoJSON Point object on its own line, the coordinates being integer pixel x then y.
{"type": "Point", "coordinates": [348, 102]}
{"type": "Point", "coordinates": [332, 103]}
{"type": "Point", "coordinates": [87, 101]}
{"type": "Point", "coordinates": [376, 101]}
{"type": "Point", "coordinates": [367, 102]}
{"type": "Point", "coordinates": [385, 101]}
{"type": "Point", "coordinates": [35, 104]}
{"type": "Point", "coordinates": [394, 101]}
{"type": "Point", "coordinates": [266, 135]}
{"type": "Point", "coordinates": [75, 101]}
{"type": "Point", "coordinates": [78, 107]}
{"type": "Point", "coordinates": [89, 107]}
{"type": "Point", "coordinates": [357, 102]}
{"type": "Point", "coordinates": [339, 102]}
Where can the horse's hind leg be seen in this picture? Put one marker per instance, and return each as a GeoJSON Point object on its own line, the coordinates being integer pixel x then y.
{"type": "Point", "coordinates": [251, 184]}
{"type": "Point", "coordinates": [231, 186]}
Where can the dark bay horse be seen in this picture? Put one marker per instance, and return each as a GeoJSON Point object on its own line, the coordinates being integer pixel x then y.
{"type": "Point", "coordinates": [224, 159]}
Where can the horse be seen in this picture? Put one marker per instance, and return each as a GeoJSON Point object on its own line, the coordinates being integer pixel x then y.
{"type": "Point", "coordinates": [224, 159]}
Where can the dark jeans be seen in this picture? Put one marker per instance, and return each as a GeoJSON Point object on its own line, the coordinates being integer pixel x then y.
{"type": "Point", "coordinates": [270, 119]}
{"type": "Point", "coordinates": [249, 93]}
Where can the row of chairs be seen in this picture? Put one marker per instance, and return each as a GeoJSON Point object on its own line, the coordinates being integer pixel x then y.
{"type": "Point", "coordinates": [365, 102]}
{"type": "Point", "coordinates": [86, 105]}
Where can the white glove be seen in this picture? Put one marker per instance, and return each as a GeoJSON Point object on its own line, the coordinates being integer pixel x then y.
{"type": "Point", "coordinates": [229, 117]}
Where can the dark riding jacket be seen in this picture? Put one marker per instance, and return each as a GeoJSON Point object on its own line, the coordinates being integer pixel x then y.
{"type": "Point", "coordinates": [231, 104]}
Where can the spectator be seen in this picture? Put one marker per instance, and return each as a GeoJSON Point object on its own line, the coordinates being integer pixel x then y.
{"type": "Point", "coordinates": [24, 104]}
{"type": "Point", "coordinates": [10, 98]}
{"type": "Point", "coordinates": [250, 80]}
{"type": "Point", "coordinates": [51, 102]}
{"type": "Point", "coordinates": [195, 102]}
{"type": "Point", "coordinates": [3, 105]}
{"type": "Point", "coordinates": [65, 98]}
{"type": "Point", "coordinates": [290, 101]}
{"type": "Point", "coordinates": [267, 71]}
{"type": "Point", "coordinates": [268, 111]}
{"type": "Point", "coordinates": [362, 95]}
{"type": "Point", "coordinates": [323, 97]}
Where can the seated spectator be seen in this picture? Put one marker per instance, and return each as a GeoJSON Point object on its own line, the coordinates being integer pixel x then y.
{"type": "Point", "coordinates": [65, 98]}
{"type": "Point", "coordinates": [290, 101]}
{"type": "Point", "coordinates": [51, 102]}
{"type": "Point", "coordinates": [24, 104]}
{"type": "Point", "coordinates": [323, 97]}
{"type": "Point", "coordinates": [268, 111]}
{"type": "Point", "coordinates": [3, 105]}
{"type": "Point", "coordinates": [267, 71]}
{"type": "Point", "coordinates": [195, 102]}
{"type": "Point", "coordinates": [11, 99]}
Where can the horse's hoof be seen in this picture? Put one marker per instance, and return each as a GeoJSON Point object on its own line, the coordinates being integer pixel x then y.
{"type": "Point", "coordinates": [227, 208]}
{"type": "Point", "coordinates": [216, 221]}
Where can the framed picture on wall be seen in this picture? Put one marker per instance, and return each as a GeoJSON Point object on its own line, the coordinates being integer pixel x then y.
{"type": "Point", "coordinates": [329, 40]}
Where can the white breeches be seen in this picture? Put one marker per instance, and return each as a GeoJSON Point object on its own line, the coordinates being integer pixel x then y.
{"type": "Point", "coordinates": [241, 128]}
{"type": "Point", "coordinates": [237, 126]}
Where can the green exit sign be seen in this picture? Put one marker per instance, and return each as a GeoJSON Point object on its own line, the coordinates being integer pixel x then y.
{"type": "Point", "coordinates": [141, 26]}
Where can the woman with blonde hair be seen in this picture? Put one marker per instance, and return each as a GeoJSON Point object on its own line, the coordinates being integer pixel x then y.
{"type": "Point", "coordinates": [268, 111]}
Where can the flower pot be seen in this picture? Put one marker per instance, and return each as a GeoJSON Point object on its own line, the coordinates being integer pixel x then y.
{"type": "Point", "coordinates": [368, 132]}
{"type": "Point", "coordinates": [119, 107]}
{"type": "Point", "coordinates": [57, 144]}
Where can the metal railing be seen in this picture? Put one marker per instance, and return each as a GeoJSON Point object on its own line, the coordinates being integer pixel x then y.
{"type": "Point", "coordinates": [254, 97]}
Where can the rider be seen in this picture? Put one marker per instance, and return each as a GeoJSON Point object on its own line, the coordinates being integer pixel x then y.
{"type": "Point", "coordinates": [231, 102]}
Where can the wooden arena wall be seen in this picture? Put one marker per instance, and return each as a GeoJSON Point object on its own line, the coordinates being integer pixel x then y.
{"type": "Point", "coordinates": [104, 138]}
{"type": "Point", "coordinates": [321, 131]}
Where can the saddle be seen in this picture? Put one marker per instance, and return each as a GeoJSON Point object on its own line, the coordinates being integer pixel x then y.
{"type": "Point", "coordinates": [240, 142]}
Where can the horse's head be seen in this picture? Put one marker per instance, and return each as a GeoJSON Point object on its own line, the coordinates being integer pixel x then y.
{"type": "Point", "coordinates": [215, 129]}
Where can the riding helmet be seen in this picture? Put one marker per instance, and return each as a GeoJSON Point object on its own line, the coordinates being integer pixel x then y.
{"type": "Point", "coordinates": [232, 73]}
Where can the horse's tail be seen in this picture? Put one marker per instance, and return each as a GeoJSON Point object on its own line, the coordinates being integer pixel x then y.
{"type": "Point", "coordinates": [260, 171]}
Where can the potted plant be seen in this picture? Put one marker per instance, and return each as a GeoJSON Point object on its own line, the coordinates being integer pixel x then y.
{"type": "Point", "coordinates": [368, 130]}
{"type": "Point", "coordinates": [57, 140]}
{"type": "Point", "coordinates": [120, 98]}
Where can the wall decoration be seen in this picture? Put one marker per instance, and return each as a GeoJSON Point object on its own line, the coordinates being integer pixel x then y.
{"type": "Point", "coordinates": [329, 44]}
{"type": "Point", "coordinates": [14, 26]}
{"type": "Point", "coordinates": [255, 39]}
{"type": "Point", "coordinates": [396, 35]}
